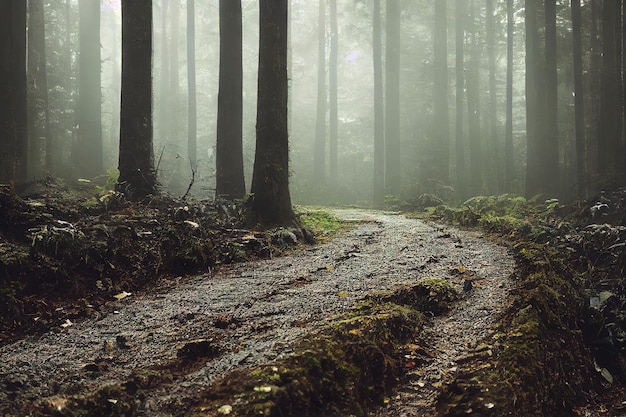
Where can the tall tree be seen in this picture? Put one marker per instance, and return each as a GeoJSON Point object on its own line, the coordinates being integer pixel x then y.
{"type": "Point", "coordinates": [534, 102]}
{"type": "Point", "coordinates": [579, 119]}
{"type": "Point", "coordinates": [270, 180]}
{"type": "Point", "coordinates": [174, 81]}
{"type": "Point", "coordinates": [609, 129]}
{"type": "Point", "coordinates": [379, 123]}
{"type": "Point", "coordinates": [163, 122]}
{"type": "Point", "coordinates": [38, 111]}
{"type": "Point", "coordinates": [473, 106]}
{"type": "Point", "coordinates": [319, 153]}
{"type": "Point", "coordinates": [460, 17]}
{"type": "Point", "coordinates": [551, 166]}
{"type": "Point", "coordinates": [88, 155]}
{"type": "Point", "coordinates": [137, 177]}
{"type": "Point", "coordinates": [494, 174]}
{"type": "Point", "coordinates": [392, 100]}
{"type": "Point", "coordinates": [230, 182]}
{"type": "Point", "coordinates": [192, 124]}
{"type": "Point", "coordinates": [332, 91]}
{"type": "Point", "coordinates": [13, 89]}
{"type": "Point", "coordinates": [441, 121]}
{"type": "Point", "coordinates": [509, 168]}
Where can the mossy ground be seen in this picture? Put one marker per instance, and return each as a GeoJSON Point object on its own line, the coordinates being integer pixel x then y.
{"type": "Point", "coordinates": [349, 366]}
{"type": "Point", "coordinates": [544, 363]}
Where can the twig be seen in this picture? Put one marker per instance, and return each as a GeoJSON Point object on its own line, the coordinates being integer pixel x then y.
{"type": "Point", "coordinates": [193, 178]}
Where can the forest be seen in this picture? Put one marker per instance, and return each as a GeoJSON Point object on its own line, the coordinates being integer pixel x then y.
{"type": "Point", "coordinates": [313, 208]}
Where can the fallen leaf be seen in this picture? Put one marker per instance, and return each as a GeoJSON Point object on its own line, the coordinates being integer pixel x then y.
{"type": "Point", "coordinates": [112, 401]}
{"type": "Point", "coordinates": [330, 267]}
{"type": "Point", "coordinates": [264, 388]}
{"type": "Point", "coordinates": [490, 405]}
{"type": "Point", "coordinates": [342, 294]}
{"type": "Point", "coordinates": [122, 295]}
{"type": "Point", "coordinates": [225, 409]}
{"type": "Point", "coordinates": [67, 323]}
{"type": "Point", "coordinates": [192, 224]}
{"type": "Point", "coordinates": [421, 384]}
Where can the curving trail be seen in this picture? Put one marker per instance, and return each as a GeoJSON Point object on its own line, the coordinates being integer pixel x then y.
{"type": "Point", "coordinates": [256, 311]}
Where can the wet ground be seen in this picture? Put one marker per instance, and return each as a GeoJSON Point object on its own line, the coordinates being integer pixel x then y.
{"type": "Point", "coordinates": [252, 313]}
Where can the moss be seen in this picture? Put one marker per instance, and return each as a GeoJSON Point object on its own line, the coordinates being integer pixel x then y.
{"type": "Point", "coordinates": [352, 365]}
{"type": "Point", "coordinates": [319, 221]}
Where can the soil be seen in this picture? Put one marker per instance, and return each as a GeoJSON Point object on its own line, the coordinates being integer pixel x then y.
{"type": "Point", "coordinates": [241, 315]}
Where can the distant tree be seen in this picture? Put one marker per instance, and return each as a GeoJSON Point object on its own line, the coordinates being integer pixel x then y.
{"type": "Point", "coordinates": [332, 91]}
{"type": "Point", "coordinates": [509, 168]}
{"type": "Point", "coordinates": [493, 144]}
{"type": "Point", "coordinates": [87, 152]}
{"type": "Point", "coordinates": [319, 153]}
{"type": "Point", "coordinates": [473, 106]}
{"type": "Point", "coordinates": [192, 129]}
{"type": "Point", "coordinates": [393, 173]}
{"type": "Point", "coordinates": [163, 122]}
{"type": "Point", "coordinates": [441, 120]}
{"type": "Point", "coordinates": [551, 165]}
{"type": "Point", "coordinates": [534, 102]}
{"type": "Point", "coordinates": [137, 177]}
{"type": "Point", "coordinates": [579, 119]}
{"type": "Point", "coordinates": [270, 181]}
{"type": "Point", "coordinates": [379, 122]}
{"type": "Point", "coordinates": [460, 17]}
{"type": "Point", "coordinates": [610, 133]}
{"type": "Point", "coordinates": [174, 80]}
{"type": "Point", "coordinates": [230, 182]}
{"type": "Point", "coordinates": [38, 111]}
{"type": "Point", "coordinates": [13, 90]}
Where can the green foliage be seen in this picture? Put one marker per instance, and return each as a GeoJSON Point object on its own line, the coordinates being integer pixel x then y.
{"type": "Point", "coordinates": [319, 221]}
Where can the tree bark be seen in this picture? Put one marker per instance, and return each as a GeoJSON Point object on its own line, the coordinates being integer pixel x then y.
{"type": "Point", "coordinates": [270, 182]}
{"type": "Point", "coordinates": [379, 122]}
{"type": "Point", "coordinates": [460, 16]}
{"type": "Point", "coordinates": [493, 148]}
{"type": "Point", "coordinates": [392, 100]}
{"type": "Point", "coordinates": [441, 119]}
{"type": "Point", "coordinates": [38, 112]}
{"type": "Point", "coordinates": [551, 164]}
{"type": "Point", "coordinates": [581, 152]}
{"type": "Point", "coordinates": [88, 156]}
{"type": "Point", "coordinates": [13, 89]}
{"type": "Point", "coordinates": [319, 153]}
{"type": "Point", "coordinates": [509, 168]}
{"type": "Point", "coordinates": [230, 182]}
{"type": "Point", "coordinates": [192, 123]}
{"type": "Point", "coordinates": [136, 161]}
{"type": "Point", "coordinates": [473, 108]}
{"type": "Point", "coordinates": [332, 93]}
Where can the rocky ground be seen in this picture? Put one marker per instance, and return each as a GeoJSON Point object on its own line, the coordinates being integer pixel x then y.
{"type": "Point", "coordinates": [171, 308]}
{"type": "Point", "coordinates": [254, 312]}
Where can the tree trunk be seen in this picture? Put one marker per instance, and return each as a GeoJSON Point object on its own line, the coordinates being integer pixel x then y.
{"type": "Point", "coordinates": [494, 174]}
{"type": "Point", "coordinates": [441, 119]}
{"type": "Point", "coordinates": [38, 113]}
{"type": "Point", "coordinates": [332, 91]}
{"type": "Point", "coordinates": [379, 122]}
{"type": "Point", "coordinates": [319, 154]}
{"type": "Point", "coordinates": [88, 155]}
{"type": "Point", "coordinates": [473, 108]}
{"type": "Point", "coordinates": [230, 182]}
{"type": "Point", "coordinates": [460, 16]}
{"type": "Point", "coordinates": [509, 168]}
{"type": "Point", "coordinates": [581, 153]}
{"type": "Point", "coordinates": [609, 129]}
{"type": "Point", "coordinates": [270, 181]}
{"type": "Point", "coordinates": [392, 108]}
{"type": "Point", "coordinates": [192, 124]}
{"type": "Point", "coordinates": [163, 122]}
{"type": "Point", "coordinates": [534, 103]}
{"type": "Point", "coordinates": [13, 89]}
{"type": "Point", "coordinates": [136, 163]}
{"type": "Point", "coordinates": [551, 165]}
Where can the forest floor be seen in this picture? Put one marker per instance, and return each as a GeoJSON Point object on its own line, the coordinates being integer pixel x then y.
{"type": "Point", "coordinates": [392, 316]}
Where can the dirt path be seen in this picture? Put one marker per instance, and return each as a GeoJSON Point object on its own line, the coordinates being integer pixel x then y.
{"type": "Point", "coordinates": [254, 312]}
